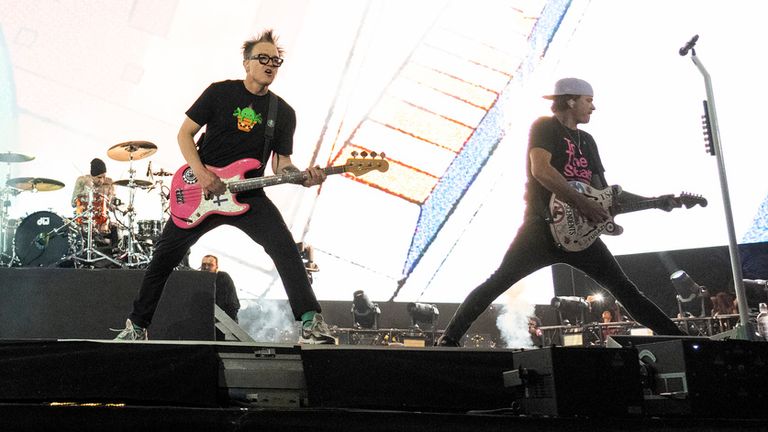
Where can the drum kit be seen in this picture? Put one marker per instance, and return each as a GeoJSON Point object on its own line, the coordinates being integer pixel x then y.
{"type": "Point", "coordinates": [45, 239]}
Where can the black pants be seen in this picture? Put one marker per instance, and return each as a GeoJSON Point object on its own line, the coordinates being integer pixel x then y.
{"type": "Point", "coordinates": [263, 223]}
{"type": "Point", "coordinates": [533, 248]}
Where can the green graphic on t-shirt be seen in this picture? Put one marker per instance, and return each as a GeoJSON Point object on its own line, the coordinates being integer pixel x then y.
{"type": "Point", "coordinates": [247, 118]}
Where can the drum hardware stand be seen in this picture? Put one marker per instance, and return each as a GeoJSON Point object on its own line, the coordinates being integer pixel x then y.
{"type": "Point", "coordinates": [88, 250]}
{"type": "Point", "coordinates": [128, 152]}
{"type": "Point", "coordinates": [744, 330]}
{"type": "Point", "coordinates": [132, 258]}
{"type": "Point", "coordinates": [6, 257]}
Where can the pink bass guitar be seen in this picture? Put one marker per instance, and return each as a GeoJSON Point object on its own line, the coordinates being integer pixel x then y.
{"type": "Point", "coordinates": [190, 206]}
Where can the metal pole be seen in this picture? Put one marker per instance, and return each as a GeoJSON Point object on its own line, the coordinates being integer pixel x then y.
{"type": "Point", "coordinates": [744, 330]}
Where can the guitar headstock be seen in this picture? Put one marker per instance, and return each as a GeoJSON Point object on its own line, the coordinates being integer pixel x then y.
{"type": "Point", "coordinates": [365, 164]}
{"type": "Point", "coordinates": [690, 200]}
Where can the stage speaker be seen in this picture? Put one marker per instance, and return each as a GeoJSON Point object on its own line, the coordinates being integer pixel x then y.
{"type": "Point", "coordinates": [705, 378]}
{"type": "Point", "coordinates": [58, 303]}
{"type": "Point", "coordinates": [406, 379]}
{"type": "Point", "coordinates": [170, 374]}
{"type": "Point", "coordinates": [570, 382]}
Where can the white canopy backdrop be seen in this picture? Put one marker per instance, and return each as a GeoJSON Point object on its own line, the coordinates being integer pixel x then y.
{"type": "Point", "coordinates": [79, 76]}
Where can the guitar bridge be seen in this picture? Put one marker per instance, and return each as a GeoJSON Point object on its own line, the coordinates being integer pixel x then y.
{"type": "Point", "coordinates": [179, 196]}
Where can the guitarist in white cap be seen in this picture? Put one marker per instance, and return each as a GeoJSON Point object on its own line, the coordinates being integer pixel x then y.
{"type": "Point", "coordinates": [559, 152]}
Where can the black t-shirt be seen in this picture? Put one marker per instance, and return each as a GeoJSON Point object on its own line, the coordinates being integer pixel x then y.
{"type": "Point", "coordinates": [235, 120]}
{"type": "Point", "coordinates": [226, 294]}
{"type": "Point", "coordinates": [574, 155]}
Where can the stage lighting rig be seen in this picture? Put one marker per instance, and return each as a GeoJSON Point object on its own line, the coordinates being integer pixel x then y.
{"type": "Point", "coordinates": [365, 313]}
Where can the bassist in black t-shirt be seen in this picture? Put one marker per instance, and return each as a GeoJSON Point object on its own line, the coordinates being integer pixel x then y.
{"type": "Point", "coordinates": [245, 122]}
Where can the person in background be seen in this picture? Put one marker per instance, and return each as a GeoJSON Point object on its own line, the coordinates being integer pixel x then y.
{"type": "Point", "coordinates": [96, 189]}
{"type": "Point", "coordinates": [723, 303]}
{"type": "Point", "coordinates": [226, 294]}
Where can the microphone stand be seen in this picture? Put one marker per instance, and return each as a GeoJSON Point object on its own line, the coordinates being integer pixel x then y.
{"type": "Point", "coordinates": [744, 330]}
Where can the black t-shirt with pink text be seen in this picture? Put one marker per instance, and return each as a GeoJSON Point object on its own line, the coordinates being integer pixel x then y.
{"type": "Point", "coordinates": [574, 155]}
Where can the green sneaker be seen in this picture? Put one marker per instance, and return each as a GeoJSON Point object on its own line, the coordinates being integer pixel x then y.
{"type": "Point", "coordinates": [317, 332]}
{"type": "Point", "coordinates": [131, 332]}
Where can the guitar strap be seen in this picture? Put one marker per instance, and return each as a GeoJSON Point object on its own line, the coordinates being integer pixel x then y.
{"type": "Point", "coordinates": [269, 130]}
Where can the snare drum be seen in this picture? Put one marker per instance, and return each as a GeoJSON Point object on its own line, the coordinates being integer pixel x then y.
{"type": "Point", "coordinates": [42, 239]}
{"type": "Point", "coordinates": [100, 209]}
{"type": "Point", "coordinates": [149, 229]}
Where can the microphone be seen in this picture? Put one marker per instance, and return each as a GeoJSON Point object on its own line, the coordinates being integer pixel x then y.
{"type": "Point", "coordinates": [149, 169]}
{"type": "Point", "coordinates": [689, 46]}
{"type": "Point", "coordinates": [41, 240]}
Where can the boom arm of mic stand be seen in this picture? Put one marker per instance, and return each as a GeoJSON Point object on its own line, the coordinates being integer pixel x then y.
{"type": "Point", "coordinates": [746, 331]}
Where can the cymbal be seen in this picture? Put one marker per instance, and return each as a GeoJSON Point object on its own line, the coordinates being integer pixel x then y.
{"type": "Point", "coordinates": [14, 157]}
{"type": "Point", "coordinates": [131, 150]}
{"type": "Point", "coordinates": [136, 183]}
{"type": "Point", "coordinates": [34, 183]}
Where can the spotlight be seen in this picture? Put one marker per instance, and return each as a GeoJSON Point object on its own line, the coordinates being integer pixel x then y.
{"type": "Point", "coordinates": [756, 284]}
{"type": "Point", "coordinates": [569, 303]}
{"type": "Point", "coordinates": [365, 313]}
{"type": "Point", "coordinates": [422, 313]}
{"type": "Point", "coordinates": [570, 307]}
{"type": "Point", "coordinates": [685, 286]}
{"type": "Point", "coordinates": [687, 291]}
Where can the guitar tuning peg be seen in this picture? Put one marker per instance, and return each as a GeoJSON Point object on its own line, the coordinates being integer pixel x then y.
{"type": "Point", "coordinates": [383, 155]}
{"type": "Point", "coordinates": [373, 154]}
{"type": "Point", "coordinates": [354, 153]}
{"type": "Point", "coordinates": [364, 154]}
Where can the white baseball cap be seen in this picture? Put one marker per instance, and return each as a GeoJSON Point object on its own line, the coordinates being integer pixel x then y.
{"type": "Point", "coordinates": [571, 86]}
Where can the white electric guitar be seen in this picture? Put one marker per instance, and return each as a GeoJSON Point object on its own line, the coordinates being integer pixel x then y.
{"type": "Point", "coordinates": [573, 233]}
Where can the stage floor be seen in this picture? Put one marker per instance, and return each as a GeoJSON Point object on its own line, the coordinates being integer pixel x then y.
{"type": "Point", "coordinates": [36, 417]}
{"type": "Point", "coordinates": [234, 386]}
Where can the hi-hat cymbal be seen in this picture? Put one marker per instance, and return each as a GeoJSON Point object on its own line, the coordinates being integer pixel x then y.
{"type": "Point", "coordinates": [34, 183]}
{"type": "Point", "coordinates": [131, 150]}
{"type": "Point", "coordinates": [14, 157]}
{"type": "Point", "coordinates": [136, 183]}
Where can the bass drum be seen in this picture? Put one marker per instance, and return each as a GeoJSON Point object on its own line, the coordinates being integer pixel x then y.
{"type": "Point", "coordinates": [42, 239]}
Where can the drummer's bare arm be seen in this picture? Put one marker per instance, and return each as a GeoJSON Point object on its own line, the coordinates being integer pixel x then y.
{"type": "Point", "coordinates": [77, 191]}
{"type": "Point", "coordinates": [208, 181]}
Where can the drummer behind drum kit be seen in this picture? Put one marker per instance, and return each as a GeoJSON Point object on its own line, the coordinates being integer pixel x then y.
{"type": "Point", "coordinates": [44, 239]}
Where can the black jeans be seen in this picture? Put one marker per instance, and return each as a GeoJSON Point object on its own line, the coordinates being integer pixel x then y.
{"type": "Point", "coordinates": [534, 248]}
{"type": "Point", "coordinates": [263, 223]}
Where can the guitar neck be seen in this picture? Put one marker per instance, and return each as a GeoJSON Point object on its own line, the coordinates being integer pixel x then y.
{"type": "Point", "coordinates": [291, 177]}
{"type": "Point", "coordinates": [633, 206]}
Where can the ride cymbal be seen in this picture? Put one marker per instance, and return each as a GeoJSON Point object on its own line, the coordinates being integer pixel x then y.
{"type": "Point", "coordinates": [131, 150]}
{"type": "Point", "coordinates": [14, 157]}
{"type": "Point", "coordinates": [34, 183]}
{"type": "Point", "coordinates": [136, 183]}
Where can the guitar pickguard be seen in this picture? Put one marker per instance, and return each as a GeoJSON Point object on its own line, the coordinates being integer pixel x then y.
{"type": "Point", "coordinates": [222, 204]}
{"type": "Point", "coordinates": [571, 231]}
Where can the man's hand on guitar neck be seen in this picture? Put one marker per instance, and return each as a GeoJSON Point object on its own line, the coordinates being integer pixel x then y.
{"type": "Point", "coordinates": [282, 164]}
{"type": "Point", "coordinates": [210, 183]}
{"type": "Point", "coordinates": [669, 202]}
{"type": "Point", "coordinates": [315, 176]}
